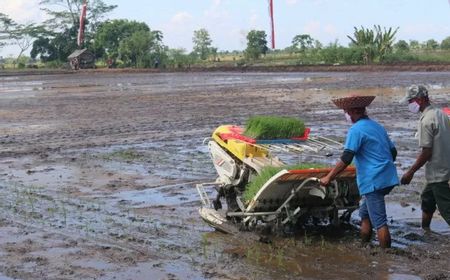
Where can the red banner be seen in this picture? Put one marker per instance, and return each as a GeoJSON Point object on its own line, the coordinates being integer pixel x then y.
{"type": "Point", "coordinates": [272, 24]}
{"type": "Point", "coordinates": [80, 38]}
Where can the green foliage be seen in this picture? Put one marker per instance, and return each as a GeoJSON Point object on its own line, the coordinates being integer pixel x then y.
{"type": "Point", "coordinates": [445, 44]}
{"type": "Point", "coordinates": [376, 43]}
{"type": "Point", "coordinates": [402, 46]}
{"type": "Point", "coordinates": [135, 50]}
{"type": "Point", "coordinates": [57, 48]}
{"type": "Point", "coordinates": [126, 155]}
{"type": "Point", "coordinates": [302, 42]}
{"type": "Point", "coordinates": [178, 58]}
{"type": "Point", "coordinates": [6, 24]}
{"type": "Point", "coordinates": [256, 44]}
{"type": "Point", "coordinates": [54, 64]}
{"type": "Point", "coordinates": [64, 14]}
{"type": "Point", "coordinates": [400, 57]}
{"type": "Point", "coordinates": [111, 33]}
{"type": "Point", "coordinates": [431, 44]}
{"type": "Point", "coordinates": [414, 44]}
{"type": "Point", "coordinates": [273, 127]}
{"type": "Point", "coordinates": [364, 39]}
{"type": "Point", "coordinates": [132, 42]}
{"type": "Point", "coordinates": [336, 54]}
{"type": "Point", "coordinates": [268, 172]}
{"type": "Point", "coordinates": [202, 43]}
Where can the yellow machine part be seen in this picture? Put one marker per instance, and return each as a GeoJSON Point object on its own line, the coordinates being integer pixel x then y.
{"type": "Point", "coordinates": [237, 147]}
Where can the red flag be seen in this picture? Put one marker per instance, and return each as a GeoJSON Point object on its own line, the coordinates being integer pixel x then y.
{"type": "Point", "coordinates": [80, 38]}
{"type": "Point", "coordinates": [272, 24]}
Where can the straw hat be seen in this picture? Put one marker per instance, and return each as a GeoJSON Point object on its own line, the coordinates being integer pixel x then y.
{"type": "Point", "coordinates": [353, 102]}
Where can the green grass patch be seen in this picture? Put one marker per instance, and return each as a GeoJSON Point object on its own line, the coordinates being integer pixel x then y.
{"type": "Point", "coordinates": [126, 155]}
{"type": "Point", "coordinates": [274, 127]}
{"type": "Point", "coordinates": [268, 172]}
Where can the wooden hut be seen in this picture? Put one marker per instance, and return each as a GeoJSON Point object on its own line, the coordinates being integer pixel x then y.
{"type": "Point", "coordinates": [82, 59]}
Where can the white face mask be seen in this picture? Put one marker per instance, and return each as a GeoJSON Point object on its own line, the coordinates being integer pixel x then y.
{"type": "Point", "coordinates": [414, 107]}
{"type": "Point", "coordinates": [348, 118]}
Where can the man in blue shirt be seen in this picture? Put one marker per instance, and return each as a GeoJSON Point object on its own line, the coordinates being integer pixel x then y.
{"type": "Point", "coordinates": [374, 155]}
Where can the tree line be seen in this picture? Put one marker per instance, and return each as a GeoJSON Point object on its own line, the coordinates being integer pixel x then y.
{"type": "Point", "coordinates": [129, 43]}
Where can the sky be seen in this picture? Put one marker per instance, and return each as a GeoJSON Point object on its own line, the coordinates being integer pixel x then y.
{"type": "Point", "coordinates": [228, 21]}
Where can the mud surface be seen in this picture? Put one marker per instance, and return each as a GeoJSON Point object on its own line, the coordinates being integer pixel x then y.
{"type": "Point", "coordinates": [97, 176]}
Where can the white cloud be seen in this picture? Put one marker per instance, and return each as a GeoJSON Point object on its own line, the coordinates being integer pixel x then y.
{"type": "Point", "coordinates": [22, 11]}
{"type": "Point", "coordinates": [291, 2]}
{"type": "Point", "coordinates": [312, 27]}
{"type": "Point", "coordinates": [181, 18]}
{"type": "Point", "coordinates": [178, 30]}
{"type": "Point", "coordinates": [216, 15]}
{"type": "Point", "coordinates": [254, 19]}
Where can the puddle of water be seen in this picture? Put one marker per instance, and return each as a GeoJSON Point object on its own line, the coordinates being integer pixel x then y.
{"type": "Point", "coordinates": [411, 214]}
{"type": "Point", "coordinates": [93, 264]}
{"type": "Point", "coordinates": [398, 276]}
{"type": "Point", "coordinates": [162, 196]}
{"type": "Point", "coordinates": [54, 175]}
{"type": "Point", "coordinates": [156, 270]}
{"type": "Point", "coordinates": [3, 277]}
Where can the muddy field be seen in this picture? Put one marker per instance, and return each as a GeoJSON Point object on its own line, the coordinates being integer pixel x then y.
{"type": "Point", "coordinates": [97, 176]}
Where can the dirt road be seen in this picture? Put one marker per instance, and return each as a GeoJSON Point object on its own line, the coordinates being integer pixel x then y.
{"type": "Point", "coordinates": [98, 172]}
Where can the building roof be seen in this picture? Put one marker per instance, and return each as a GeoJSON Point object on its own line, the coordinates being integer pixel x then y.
{"type": "Point", "coordinates": [77, 53]}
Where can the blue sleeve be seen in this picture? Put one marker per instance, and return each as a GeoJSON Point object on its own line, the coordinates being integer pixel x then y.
{"type": "Point", "coordinates": [353, 141]}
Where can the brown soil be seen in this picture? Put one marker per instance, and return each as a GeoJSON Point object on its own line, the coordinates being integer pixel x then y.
{"type": "Point", "coordinates": [99, 171]}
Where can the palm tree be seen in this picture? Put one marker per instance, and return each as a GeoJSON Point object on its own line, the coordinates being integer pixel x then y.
{"type": "Point", "coordinates": [366, 40]}
{"type": "Point", "coordinates": [376, 43]}
{"type": "Point", "coordinates": [384, 40]}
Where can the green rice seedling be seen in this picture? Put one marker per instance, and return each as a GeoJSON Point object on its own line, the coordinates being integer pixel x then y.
{"type": "Point", "coordinates": [64, 212]}
{"type": "Point", "coordinates": [268, 172]}
{"type": "Point", "coordinates": [307, 240]}
{"type": "Point", "coordinates": [280, 257]}
{"type": "Point", "coordinates": [126, 155]}
{"type": "Point", "coordinates": [274, 127]}
{"type": "Point", "coordinates": [204, 243]}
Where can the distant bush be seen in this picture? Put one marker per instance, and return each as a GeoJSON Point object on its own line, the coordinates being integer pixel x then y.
{"type": "Point", "coordinates": [399, 57]}
{"type": "Point", "coordinates": [55, 64]}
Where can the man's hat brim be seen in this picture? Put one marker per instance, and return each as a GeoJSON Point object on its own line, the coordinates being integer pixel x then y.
{"type": "Point", "coordinates": [353, 102]}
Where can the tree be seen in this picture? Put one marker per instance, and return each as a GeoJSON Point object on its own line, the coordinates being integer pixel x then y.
{"type": "Point", "coordinates": [111, 33]}
{"type": "Point", "coordinates": [179, 58]}
{"type": "Point", "coordinates": [303, 42]}
{"type": "Point", "coordinates": [401, 46]}
{"type": "Point", "coordinates": [376, 43]}
{"type": "Point", "coordinates": [142, 48]}
{"type": "Point", "coordinates": [45, 49]}
{"type": "Point", "coordinates": [57, 46]}
{"type": "Point", "coordinates": [431, 44]}
{"type": "Point", "coordinates": [365, 40]}
{"type": "Point", "coordinates": [414, 44]}
{"type": "Point", "coordinates": [24, 35]}
{"type": "Point", "coordinates": [384, 40]}
{"type": "Point", "coordinates": [445, 44]}
{"type": "Point", "coordinates": [256, 44]}
{"type": "Point", "coordinates": [202, 43]}
{"type": "Point", "coordinates": [65, 13]}
{"type": "Point", "coordinates": [6, 24]}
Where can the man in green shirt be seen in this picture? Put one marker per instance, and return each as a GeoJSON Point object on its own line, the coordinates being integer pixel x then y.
{"type": "Point", "coordinates": [434, 140]}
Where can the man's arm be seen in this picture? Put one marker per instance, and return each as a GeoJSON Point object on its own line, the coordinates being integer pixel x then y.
{"type": "Point", "coordinates": [346, 159]}
{"type": "Point", "coordinates": [423, 157]}
{"type": "Point", "coordinates": [394, 153]}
